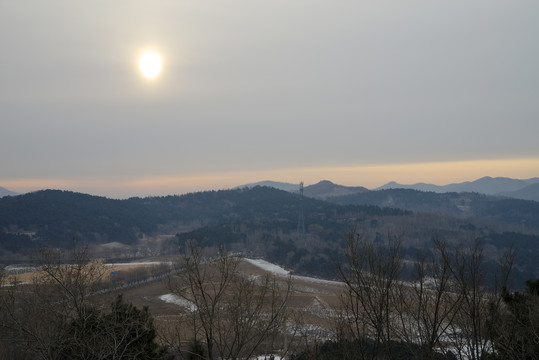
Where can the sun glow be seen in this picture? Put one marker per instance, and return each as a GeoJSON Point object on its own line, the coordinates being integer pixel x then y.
{"type": "Point", "coordinates": [150, 64]}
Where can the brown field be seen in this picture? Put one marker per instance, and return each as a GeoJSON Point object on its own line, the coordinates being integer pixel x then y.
{"type": "Point", "coordinates": [313, 301]}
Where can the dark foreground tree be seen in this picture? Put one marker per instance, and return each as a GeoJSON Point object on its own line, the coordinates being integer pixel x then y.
{"type": "Point", "coordinates": [37, 316]}
{"type": "Point", "coordinates": [61, 315]}
{"type": "Point", "coordinates": [348, 350]}
{"type": "Point", "coordinates": [517, 333]}
{"type": "Point", "coordinates": [124, 332]}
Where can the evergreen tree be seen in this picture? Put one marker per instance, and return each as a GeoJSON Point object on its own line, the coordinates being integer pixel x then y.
{"type": "Point", "coordinates": [124, 332]}
{"type": "Point", "coordinates": [517, 336]}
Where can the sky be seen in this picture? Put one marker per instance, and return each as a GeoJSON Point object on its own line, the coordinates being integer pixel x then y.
{"type": "Point", "coordinates": [356, 92]}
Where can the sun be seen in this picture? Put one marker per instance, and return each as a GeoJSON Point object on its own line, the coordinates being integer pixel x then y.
{"type": "Point", "coordinates": [150, 64]}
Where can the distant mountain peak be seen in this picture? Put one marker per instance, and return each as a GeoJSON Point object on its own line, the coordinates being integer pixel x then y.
{"type": "Point", "coordinates": [325, 182]}
{"type": "Point", "coordinates": [274, 184]}
{"type": "Point", "coordinates": [6, 192]}
{"type": "Point", "coordinates": [325, 189]}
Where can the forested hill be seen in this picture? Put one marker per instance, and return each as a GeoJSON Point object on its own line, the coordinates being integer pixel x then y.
{"type": "Point", "coordinates": [55, 217]}
{"type": "Point", "coordinates": [260, 220]}
{"type": "Point", "coordinates": [451, 204]}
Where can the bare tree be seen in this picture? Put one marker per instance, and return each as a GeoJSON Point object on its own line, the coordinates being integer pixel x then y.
{"type": "Point", "coordinates": [429, 303]}
{"type": "Point", "coordinates": [371, 272]}
{"type": "Point", "coordinates": [39, 313]}
{"type": "Point", "coordinates": [204, 283]}
{"type": "Point", "coordinates": [472, 327]}
{"type": "Point", "coordinates": [254, 312]}
{"type": "Point", "coordinates": [60, 315]}
{"type": "Point", "coordinates": [235, 314]}
{"type": "Point", "coordinates": [452, 305]}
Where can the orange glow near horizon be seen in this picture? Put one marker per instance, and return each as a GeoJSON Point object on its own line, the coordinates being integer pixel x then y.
{"type": "Point", "coordinates": [370, 176]}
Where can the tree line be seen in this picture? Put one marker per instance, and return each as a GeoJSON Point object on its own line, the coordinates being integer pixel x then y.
{"type": "Point", "coordinates": [258, 220]}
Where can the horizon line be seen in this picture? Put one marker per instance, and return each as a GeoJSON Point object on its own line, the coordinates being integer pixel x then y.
{"type": "Point", "coordinates": [439, 173]}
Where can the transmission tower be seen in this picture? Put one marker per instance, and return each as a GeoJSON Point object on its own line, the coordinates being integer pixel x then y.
{"type": "Point", "coordinates": [301, 220]}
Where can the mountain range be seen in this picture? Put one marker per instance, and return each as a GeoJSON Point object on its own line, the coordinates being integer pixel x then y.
{"type": "Point", "coordinates": [485, 185]}
{"type": "Point", "coordinates": [498, 186]}
{"type": "Point", "coordinates": [527, 189]}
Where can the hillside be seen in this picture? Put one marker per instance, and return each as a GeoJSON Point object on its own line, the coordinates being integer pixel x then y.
{"type": "Point", "coordinates": [262, 221]}
{"type": "Point", "coordinates": [530, 192]}
{"type": "Point", "coordinates": [452, 204]}
{"type": "Point", "coordinates": [55, 218]}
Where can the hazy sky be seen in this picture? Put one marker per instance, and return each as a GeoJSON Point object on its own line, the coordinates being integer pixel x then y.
{"type": "Point", "coordinates": [357, 92]}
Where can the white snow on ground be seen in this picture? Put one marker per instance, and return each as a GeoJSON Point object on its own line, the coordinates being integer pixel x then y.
{"type": "Point", "coordinates": [14, 268]}
{"type": "Point", "coordinates": [264, 265]}
{"type": "Point", "coordinates": [318, 281]}
{"type": "Point", "coordinates": [114, 245]}
{"type": "Point", "coordinates": [173, 299]}
{"type": "Point", "coordinates": [277, 270]}
{"type": "Point", "coordinates": [141, 263]}
{"type": "Point", "coordinates": [13, 284]}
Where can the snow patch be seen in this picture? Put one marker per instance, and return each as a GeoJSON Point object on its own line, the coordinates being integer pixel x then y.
{"type": "Point", "coordinates": [142, 263]}
{"type": "Point", "coordinates": [264, 265]}
{"type": "Point", "coordinates": [173, 299]}
{"type": "Point", "coordinates": [318, 281]}
{"type": "Point", "coordinates": [277, 270]}
{"type": "Point", "coordinates": [16, 268]}
{"type": "Point", "coordinates": [114, 245]}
